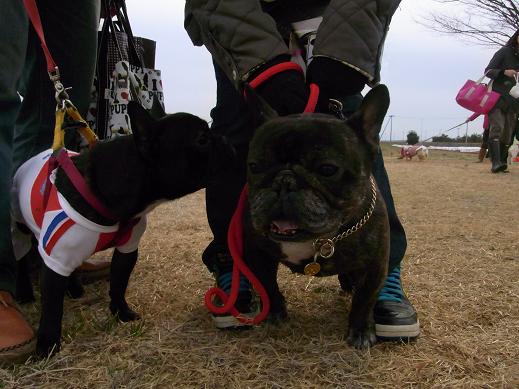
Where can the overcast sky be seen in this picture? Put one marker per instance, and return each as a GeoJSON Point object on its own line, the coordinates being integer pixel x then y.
{"type": "Point", "coordinates": [423, 69]}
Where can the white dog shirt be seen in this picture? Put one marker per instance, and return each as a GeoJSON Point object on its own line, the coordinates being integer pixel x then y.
{"type": "Point", "coordinates": [65, 237]}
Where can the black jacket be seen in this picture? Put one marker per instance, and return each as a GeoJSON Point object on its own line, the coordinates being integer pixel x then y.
{"type": "Point", "coordinates": [506, 57]}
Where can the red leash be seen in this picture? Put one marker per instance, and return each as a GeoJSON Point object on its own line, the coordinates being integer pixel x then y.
{"type": "Point", "coordinates": [235, 233]}
{"type": "Point", "coordinates": [32, 11]}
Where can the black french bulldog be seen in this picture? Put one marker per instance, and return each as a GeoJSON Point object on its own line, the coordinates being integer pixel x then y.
{"type": "Point", "coordinates": [314, 206]}
{"type": "Point", "coordinates": [162, 160]}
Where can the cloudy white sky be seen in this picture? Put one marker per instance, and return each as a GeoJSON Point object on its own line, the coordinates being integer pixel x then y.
{"type": "Point", "coordinates": [422, 69]}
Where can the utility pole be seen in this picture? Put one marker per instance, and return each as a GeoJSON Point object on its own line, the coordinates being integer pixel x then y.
{"type": "Point", "coordinates": [421, 129]}
{"type": "Point", "coordinates": [466, 132]}
{"type": "Point", "coordinates": [391, 128]}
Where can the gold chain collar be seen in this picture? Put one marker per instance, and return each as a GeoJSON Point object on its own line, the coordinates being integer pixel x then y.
{"type": "Point", "coordinates": [325, 248]}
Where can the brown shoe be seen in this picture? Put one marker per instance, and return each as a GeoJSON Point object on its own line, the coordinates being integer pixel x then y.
{"type": "Point", "coordinates": [17, 341]}
{"type": "Point", "coordinates": [93, 269]}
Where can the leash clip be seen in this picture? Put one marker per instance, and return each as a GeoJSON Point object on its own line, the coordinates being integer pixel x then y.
{"type": "Point", "coordinates": [324, 247]}
{"type": "Point", "coordinates": [335, 106]}
{"type": "Point", "coordinates": [61, 94]}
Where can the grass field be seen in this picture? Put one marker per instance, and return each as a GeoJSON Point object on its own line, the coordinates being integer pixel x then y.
{"type": "Point", "coordinates": [461, 272]}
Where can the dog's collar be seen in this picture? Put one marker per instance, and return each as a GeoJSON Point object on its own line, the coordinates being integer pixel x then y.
{"type": "Point", "coordinates": [325, 248]}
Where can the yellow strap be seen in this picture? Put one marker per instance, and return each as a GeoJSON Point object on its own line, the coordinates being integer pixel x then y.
{"type": "Point", "coordinates": [59, 132]}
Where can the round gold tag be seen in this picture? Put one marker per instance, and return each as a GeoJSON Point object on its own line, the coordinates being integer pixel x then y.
{"type": "Point", "coordinates": [312, 269]}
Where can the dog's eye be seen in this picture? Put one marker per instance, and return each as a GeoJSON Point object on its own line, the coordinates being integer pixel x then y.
{"type": "Point", "coordinates": [327, 170]}
{"type": "Point", "coordinates": [254, 168]}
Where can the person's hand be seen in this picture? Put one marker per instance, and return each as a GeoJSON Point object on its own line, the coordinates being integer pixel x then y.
{"type": "Point", "coordinates": [335, 80]}
{"type": "Point", "coordinates": [286, 92]}
{"type": "Point", "coordinates": [510, 73]}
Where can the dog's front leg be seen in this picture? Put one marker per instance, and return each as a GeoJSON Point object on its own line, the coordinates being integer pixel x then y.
{"type": "Point", "coordinates": [52, 289]}
{"type": "Point", "coordinates": [120, 271]}
{"type": "Point", "coordinates": [266, 271]}
{"type": "Point", "coordinates": [361, 331]}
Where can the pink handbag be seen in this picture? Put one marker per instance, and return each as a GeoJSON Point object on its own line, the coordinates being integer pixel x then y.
{"type": "Point", "coordinates": [477, 96]}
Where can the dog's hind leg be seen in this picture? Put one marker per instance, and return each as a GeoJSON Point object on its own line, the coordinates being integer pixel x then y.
{"type": "Point", "coordinates": [75, 288]}
{"type": "Point", "coordinates": [120, 271]}
{"type": "Point", "coordinates": [52, 288]}
{"type": "Point", "coordinates": [24, 248]}
{"type": "Point", "coordinates": [24, 291]}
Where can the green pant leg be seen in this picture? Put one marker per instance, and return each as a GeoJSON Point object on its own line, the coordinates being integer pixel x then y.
{"type": "Point", "coordinates": [70, 28]}
{"type": "Point", "coordinates": [13, 40]}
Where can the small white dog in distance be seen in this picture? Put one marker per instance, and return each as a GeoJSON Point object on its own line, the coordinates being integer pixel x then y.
{"type": "Point", "coordinates": [408, 152]}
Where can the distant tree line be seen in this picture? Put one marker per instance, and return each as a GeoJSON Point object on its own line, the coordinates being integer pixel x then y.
{"type": "Point", "coordinates": [413, 138]}
{"type": "Point", "coordinates": [473, 138]}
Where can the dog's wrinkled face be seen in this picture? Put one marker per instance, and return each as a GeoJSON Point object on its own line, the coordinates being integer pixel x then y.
{"type": "Point", "coordinates": [179, 148]}
{"type": "Point", "coordinates": [307, 174]}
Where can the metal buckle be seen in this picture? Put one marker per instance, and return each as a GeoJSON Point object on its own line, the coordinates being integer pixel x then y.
{"type": "Point", "coordinates": [335, 106]}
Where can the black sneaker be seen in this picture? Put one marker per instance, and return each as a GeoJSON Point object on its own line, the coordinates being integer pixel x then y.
{"type": "Point", "coordinates": [243, 301]}
{"type": "Point", "coordinates": [395, 317]}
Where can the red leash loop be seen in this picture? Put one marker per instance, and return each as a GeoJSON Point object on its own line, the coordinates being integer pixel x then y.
{"type": "Point", "coordinates": [272, 71]}
{"type": "Point", "coordinates": [312, 99]}
{"type": "Point", "coordinates": [235, 242]}
{"type": "Point", "coordinates": [283, 67]}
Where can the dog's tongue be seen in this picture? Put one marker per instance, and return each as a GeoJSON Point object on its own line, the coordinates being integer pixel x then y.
{"type": "Point", "coordinates": [283, 226]}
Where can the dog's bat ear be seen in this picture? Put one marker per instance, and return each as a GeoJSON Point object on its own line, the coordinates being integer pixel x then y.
{"type": "Point", "coordinates": [260, 110]}
{"type": "Point", "coordinates": [142, 127]}
{"type": "Point", "coordinates": [367, 121]}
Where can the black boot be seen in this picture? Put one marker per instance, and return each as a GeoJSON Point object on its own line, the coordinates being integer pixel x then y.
{"type": "Point", "coordinates": [504, 153]}
{"type": "Point", "coordinates": [495, 147]}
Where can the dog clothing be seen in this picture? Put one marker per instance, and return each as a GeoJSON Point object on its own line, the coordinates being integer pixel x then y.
{"type": "Point", "coordinates": [65, 237]}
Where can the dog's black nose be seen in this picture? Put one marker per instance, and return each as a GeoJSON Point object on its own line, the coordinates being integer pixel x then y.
{"type": "Point", "coordinates": [285, 181]}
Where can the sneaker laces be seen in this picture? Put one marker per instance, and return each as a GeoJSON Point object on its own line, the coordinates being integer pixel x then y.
{"type": "Point", "coordinates": [224, 281]}
{"type": "Point", "coordinates": [392, 289]}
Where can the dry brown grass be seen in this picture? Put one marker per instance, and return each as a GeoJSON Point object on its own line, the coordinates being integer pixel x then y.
{"type": "Point", "coordinates": [461, 272]}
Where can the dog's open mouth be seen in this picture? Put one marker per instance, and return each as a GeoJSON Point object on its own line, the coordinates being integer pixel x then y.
{"type": "Point", "coordinates": [285, 230]}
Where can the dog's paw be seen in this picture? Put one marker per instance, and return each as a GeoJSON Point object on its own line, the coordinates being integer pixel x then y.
{"type": "Point", "coordinates": [277, 316]}
{"type": "Point", "coordinates": [46, 348]}
{"type": "Point", "coordinates": [124, 313]}
{"type": "Point", "coordinates": [361, 338]}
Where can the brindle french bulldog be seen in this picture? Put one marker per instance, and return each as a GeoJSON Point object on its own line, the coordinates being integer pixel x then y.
{"type": "Point", "coordinates": [314, 206]}
{"type": "Point", "coordinates": [162, 160]}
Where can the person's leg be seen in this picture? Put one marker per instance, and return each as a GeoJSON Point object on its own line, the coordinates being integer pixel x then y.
{"type": "Point", "coordinates": [507, 135]}
{"type": "Point", "coordinates": [15, 334]}
{"type": "Point", "coordinates": [230, 118]}
{"type": "Point", "coordinates": [70, 28]}
{"type": "Point", "coordinates": [497, 138]}
{"type": "Point", "coordinates": [395, 317]}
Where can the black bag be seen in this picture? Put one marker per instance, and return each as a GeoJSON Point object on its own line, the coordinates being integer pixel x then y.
{"type": "Point", "coordinates": [125, 71]}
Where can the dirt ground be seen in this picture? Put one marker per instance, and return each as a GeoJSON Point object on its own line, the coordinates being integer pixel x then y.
{"type": "Point", "coordinates": [461, 272]}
